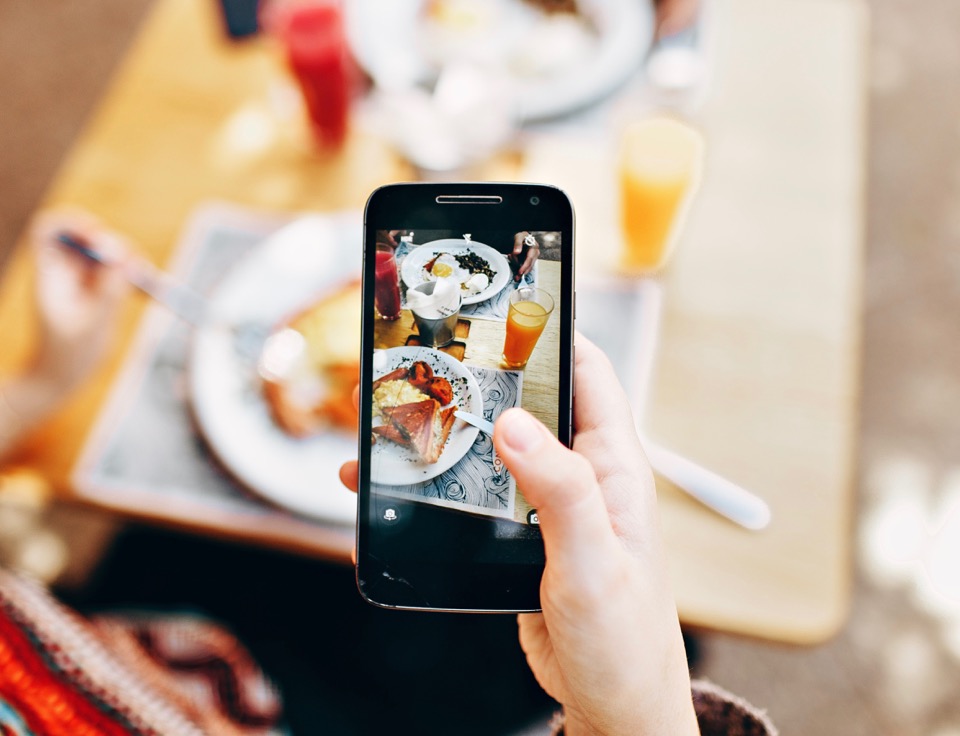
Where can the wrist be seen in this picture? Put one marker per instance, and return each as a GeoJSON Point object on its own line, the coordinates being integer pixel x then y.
{"type": "Point", "coordinates": [25, 401]}
{"type": "Point", "coordinates": [675, 715]}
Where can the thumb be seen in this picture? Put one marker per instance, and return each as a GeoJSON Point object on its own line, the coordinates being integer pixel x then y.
{"type": "Point", "coordinates": [563, 488]}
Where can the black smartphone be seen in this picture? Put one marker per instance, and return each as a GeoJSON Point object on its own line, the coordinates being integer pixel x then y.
{"type": "Point", "coordinates": [468, 294]}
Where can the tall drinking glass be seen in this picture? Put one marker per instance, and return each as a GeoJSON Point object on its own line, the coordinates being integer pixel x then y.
{"type": "Point", "coordinates": [660, 164]}
{"type": "Point", "coordinates": [386, 294]}
{"type": "Point", "coordinates": [316, 48]}
{"type": "Point", "coordinates": [528, 314]}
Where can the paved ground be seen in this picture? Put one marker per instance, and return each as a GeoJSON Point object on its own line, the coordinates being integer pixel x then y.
{"type": "Point", "coordinates": [895, 669]}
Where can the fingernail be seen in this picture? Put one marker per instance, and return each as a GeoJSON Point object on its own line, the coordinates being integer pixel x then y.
{"type": "Point", "coordinates": [520, 431]}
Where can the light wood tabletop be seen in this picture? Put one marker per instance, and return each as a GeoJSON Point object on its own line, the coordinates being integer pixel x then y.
{"type": "Point", "coordinates": [757, 371]}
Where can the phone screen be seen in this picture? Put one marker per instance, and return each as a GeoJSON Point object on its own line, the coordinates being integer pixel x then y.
{"type": "Point", "coordinates": [467, 313]}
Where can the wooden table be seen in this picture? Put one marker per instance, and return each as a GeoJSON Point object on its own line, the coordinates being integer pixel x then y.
{"type": "Point", "coordinates": [757, 374]}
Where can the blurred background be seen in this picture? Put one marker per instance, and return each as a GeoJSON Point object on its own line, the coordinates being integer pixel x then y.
{"type": "Point", "coordinates": [893, 667]}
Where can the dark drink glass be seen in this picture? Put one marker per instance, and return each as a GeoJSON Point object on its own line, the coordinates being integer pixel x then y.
{"type": "Point", "coordinates": [386, 293]}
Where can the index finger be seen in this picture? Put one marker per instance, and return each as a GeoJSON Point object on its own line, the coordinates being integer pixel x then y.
{"type": "Point", "coordinates": [518, 243]}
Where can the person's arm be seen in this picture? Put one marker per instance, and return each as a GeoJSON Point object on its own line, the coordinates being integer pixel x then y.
{"type": "Point", "coordinates": [674, 16]}
{"type": "Point", "coordinates": [526, 251]}
{"type": "Point", "coordinates": [25, 401]}
{"type": "Point", "coordinates": [76, 302]}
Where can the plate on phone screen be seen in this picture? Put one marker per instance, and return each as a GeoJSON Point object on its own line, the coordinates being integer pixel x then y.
{"type": "Point", "coordinates": [391, 464]}
{"type": "Point", "coordinates": [308, 258]}
{"type": "Point", "coordinates": [414, 271]}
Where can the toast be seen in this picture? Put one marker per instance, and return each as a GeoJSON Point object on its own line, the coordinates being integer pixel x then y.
{"type": "Point", "coordinates": [422, 426]}
{"type": "Point", "coordinates": [316, 390]}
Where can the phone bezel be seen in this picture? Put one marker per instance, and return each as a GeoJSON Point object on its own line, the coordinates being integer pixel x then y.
{"type": "Point", "coordinates": [509, 581]}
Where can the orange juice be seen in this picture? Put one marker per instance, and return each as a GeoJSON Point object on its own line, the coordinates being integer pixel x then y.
{"type": "Point", "coordinates": [660, 168]}
{"type": "Point", "coordinates": [525, 322]}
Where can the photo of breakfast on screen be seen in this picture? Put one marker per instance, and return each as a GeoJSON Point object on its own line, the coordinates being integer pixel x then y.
{"type": "Point", "coordinates": [464, 329]}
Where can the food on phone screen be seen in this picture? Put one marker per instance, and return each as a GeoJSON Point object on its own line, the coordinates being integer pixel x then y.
{"type": "Point", "coordinates": [409, 401]}
{"type": "Point", "coordinates": [471, 271]}
{"type": "Point", "coordinates": [310, 365]}
{"type": "Point", "coordinates": [423, 427]}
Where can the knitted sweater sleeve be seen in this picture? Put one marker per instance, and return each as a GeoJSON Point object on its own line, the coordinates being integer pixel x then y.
{"type": "Point", "coordinates": [719, 713]}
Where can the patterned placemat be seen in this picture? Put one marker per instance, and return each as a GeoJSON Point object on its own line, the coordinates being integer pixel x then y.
{"type": "Point", "coordinates": [479, 482]}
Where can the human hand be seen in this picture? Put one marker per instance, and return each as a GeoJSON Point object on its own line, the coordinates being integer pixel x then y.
{"type": "Point", "coordinates": [76, 299]}
{"type": "Point", "coordinates": [388, 237]}
{"type": "Point", "coordinates": [674, 16]}
{"type": "Point", "coordinates": [521, 241]}
{"type": "Point", "coordinates": [608, 645]}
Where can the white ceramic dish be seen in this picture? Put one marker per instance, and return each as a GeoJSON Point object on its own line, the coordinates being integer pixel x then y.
{"type": "Point", "coordinates": [413, 273]}
{"type": "Point", "coordinates": [388, 39]}
{"type": "Point", "coordinates": [393, 465]}
{"type": "Point", "coordinates": [305, 259]}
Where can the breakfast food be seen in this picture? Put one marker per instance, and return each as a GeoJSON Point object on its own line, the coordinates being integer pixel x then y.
{"type": "Point", "coordinates": [472, 272]}
{"type": "Point", "coordinates": [310, 365]}
{"type": "Point", "coordinates": [423, 427]}
{"type": "Point", "coordinates": [410, 402]}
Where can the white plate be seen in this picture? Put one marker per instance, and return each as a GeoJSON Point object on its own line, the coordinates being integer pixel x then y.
{"type": "Point", "coordinates": [413, 273]}
{"type": "Point", "coordinates": [307, 258]}
{"type": "Point", "coordinates": [385, 36]}
{"type": "Point", "coordinates": [393, 465]}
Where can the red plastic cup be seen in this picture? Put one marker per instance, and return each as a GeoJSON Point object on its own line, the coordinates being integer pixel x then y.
{"type": "Point", "coordinates": [316, 48]}
{"type": "Point", "coordinates": [386, 292]}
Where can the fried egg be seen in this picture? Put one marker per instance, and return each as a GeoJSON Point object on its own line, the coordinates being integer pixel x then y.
{"type": "Point", "coordinates": [476, 283]}
{"type": "Point", "coordinates": [446, 266]}
{"type": "Point", "coordinates": [395, 393]}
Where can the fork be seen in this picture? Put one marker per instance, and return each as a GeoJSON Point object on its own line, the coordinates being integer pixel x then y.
{"type": "Point", "coordinates": [183, 300]}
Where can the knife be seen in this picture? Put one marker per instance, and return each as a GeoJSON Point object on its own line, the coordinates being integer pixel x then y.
{"type": "Point", "coordinates": [479, 422]}
{"type": "Point", "coordinates": [710, 489]}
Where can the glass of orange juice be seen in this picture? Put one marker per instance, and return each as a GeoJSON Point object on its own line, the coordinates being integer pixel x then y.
{"type": "Point", "coordinates": [660, 165]}
{"type": "Point", "coordinates": [529, 313]}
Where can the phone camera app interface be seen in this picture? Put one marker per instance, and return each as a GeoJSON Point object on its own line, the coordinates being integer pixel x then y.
{"type": "Point", "coordinates": [467, 325]}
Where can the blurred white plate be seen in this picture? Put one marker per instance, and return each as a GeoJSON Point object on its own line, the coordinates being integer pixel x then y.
{"type": "Point", "coordinates": [295, 265]}
{"type": "Point", "coordinates": [413, 273]}
{"type": "Point", "coordinates": [389, 40]}
{"type": "Point", "coordinates": [393, 465]}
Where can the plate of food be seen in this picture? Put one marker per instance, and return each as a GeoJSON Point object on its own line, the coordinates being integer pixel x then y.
{"type": "Point", "coordinates": [281, 420]}
{"type": "Point", "coordinates": [415, 434]}
{"type": "Point", "coordinates": [480, 270]}
{"type": "Point", "coordinates": [556, 55]}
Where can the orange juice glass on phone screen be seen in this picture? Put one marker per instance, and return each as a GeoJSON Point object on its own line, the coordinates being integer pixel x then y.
{"type": "Point", "coordinates": [660, 164]}
{"type": "Point", "coordinates": [529, 313]}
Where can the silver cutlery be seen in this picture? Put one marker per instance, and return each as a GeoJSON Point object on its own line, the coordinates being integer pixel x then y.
{"type": "Point", "coordinates": [181, 299]}
{"type": "Point", "coordinates": [476, 421]}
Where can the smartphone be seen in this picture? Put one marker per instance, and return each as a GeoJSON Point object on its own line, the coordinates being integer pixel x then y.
{"type": "Point", "coordinates": [468, 301]}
